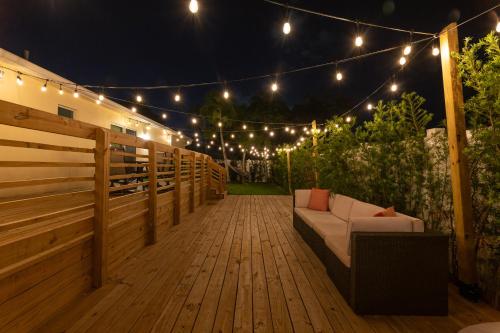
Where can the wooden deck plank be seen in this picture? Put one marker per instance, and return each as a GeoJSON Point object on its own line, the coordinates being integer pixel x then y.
{"type": "Point", "coordinates": [236, 266]}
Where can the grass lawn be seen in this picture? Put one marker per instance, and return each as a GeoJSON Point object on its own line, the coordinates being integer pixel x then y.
{"type": "Point", "coordinates": [256, 189]}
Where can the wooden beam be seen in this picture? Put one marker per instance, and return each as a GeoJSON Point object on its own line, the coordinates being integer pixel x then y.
{"type": "Point", "coordinates": [315, 153]}
{"type": "Point", "coordinates": [101, 208]}
{"type": "Point", "coordinates": [289, 170]}
{"type": "Point", "coordinates": [177, 190]}
{"type": "Point", "coordinates": [153, 195]}
{"type": "Point", "coordinates": [457, 140]}
{"type": "Point", "coordinates": [192, 183]}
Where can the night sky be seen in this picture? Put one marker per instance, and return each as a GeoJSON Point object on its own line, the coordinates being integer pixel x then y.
{"type": "Point", "coordinates": [160, 42]}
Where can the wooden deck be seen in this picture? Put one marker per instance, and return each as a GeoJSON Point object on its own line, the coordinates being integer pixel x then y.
{"type": "Point", "coordinates": [237, 265]}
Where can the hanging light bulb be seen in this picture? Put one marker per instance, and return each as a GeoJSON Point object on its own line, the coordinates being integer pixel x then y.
{"type": "Point", "coordinates": [407, 50]}
{"type": "Point", "coordinates": [250, 135]}
{"type": "Point", "coordinates": [134, 109]}
{"type": "Point", "coordinates": [305, 129]}
{"type": "Point", "coordinates": [231, 149]}
{"type": "Point", "coordinates": [348, 119]}
{"type": "Point", "coordinates": [292, 131]}
{"type": "Point", "coordinates": [44, 87]}
{"type": "Point", "coordinates": [394, 87]}
{"type": "Point", "coordinates": [244, 126]}
{"type": "Point", "coordinates": [369, 107]}
{"type": "Point", "coordinates": [138, 98]}
{"type": "Point", "coordinates": [76, 94]}
{"type": "Point", "coordinates": [287, 129]}
{"type": "Point", "coordinates": [402, 61]}
{"type": "Point", "coordinates": [194, 121]}
{"type": "Point", "coordinates": [226, 144]}
{"type": "Point", "coordinates": [193, 6]}
{"type": "Point", "coordinates": [498, 27]}
{"type": "Point", "coordinates": [19, 80]}
{"type": "Point", "coordinates": [101, 97]}
{"type": "Point", "coordinates": [195, 135]}
{"type": "Point", "coordinates": [98, 102]}
{"type": "Point", "coordinates": [232, 136]}
{"type": "Point", "coordinates": [164, 116]}
{"type": "Point", "coordinates": [61, 91]}
{"type": "Point", "coordinates": [177, 98]}
{"type": "Point", "coordinates": [198, 144]}
{"type": "Point", "coordinates": [287, 28]}
{"type": "Point", "coordinates": [339, 76]}
{"type": "Point", "coordinates": [271, 134]}
{"type": "Point", "coordinates": [226, 94]}
{"type": "Point", "coordinates": [219, 124]}
{"type": "Point", "coordinates": [435, 51]}
{"type": "Point", "coordinates": [208, 147]}
{"type": "Point", "coordinates": [266, 128]}
{"type": "Point", "coordinates": [214, 136]}
{"type": "Point", "coordinates": [358, 41]}
{"type": "Point", "coordinates": [274, 87]}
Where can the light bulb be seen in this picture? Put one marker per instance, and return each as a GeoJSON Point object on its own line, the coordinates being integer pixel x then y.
{"type": "Point", "coordinates": [193, 6]}
{"type": "Point", "coordinates": [164, 116]}
{"type": "Point", "coordinates": [226, 144]}
{"type": "Point", "coordinates": [287, 129]}
{"type": "Point", "coordinates": [138, 98]}
{"type": "Point", "coordinates": [98, 102]}
{"type": "Point", "coordinates": [339, 76]}
{"type": "Point", "coordinates": [61, 91]}
{"type": "Point", "coordinates": [244, 126]}
{"type": "Point", "coordinates": [76, 94]}
{"type": "Point", "coordinates": [44, 87]}
{"type": "Point", "coordinates": [287, 28]}
{"type": "Point", "coordinates": [271, 134]}
{"type": "Point", "coordinates": [348, 119]}
{"type": "Point", "coordinates": [498, 27]}
{"type": "Point", "coordinates": [232, 136]}
{"type": "Point", "coordinates": [402, 61]}
{"type": "Point", "coordinates": [19, 80]}
{"type": "Point", "coordinates": [231, 149]}
{"type": "Point", "coordinates": [208, 147]}
{"type": "Point", "coordinates": [101, 97]}
{"type": "Point", "coordinates": [250, 135]}
{"type": "Point", "coordinates": [358, 41]}
{"type": "Point", "coordinates": [219, 124]}
{"type": "Point", "coordinates": [194, 120]}
{"type": "Point", "coordinates": [198, 144]}
{"type": "Point", "coordinates": [134, 109]}
{"type": "Point", "coordinates": [179, 133]}
{"type": "Point", "coordinates": [394, 87]}
{"type": "Point", "coordinates": [305, 129]}
{"type": "Point", "coordinates": [274, 87]}
{"type": "Point", "coordinates": [148, 127]}
{"type": "Point", "coordinates": [195, 135]}
{"type": "Point", "coordinates": [177, 98]}
{"type": "Point", "coordinates": [214, 136]}
{"type": "Point", "coordinates": [407, 50]}
{"type": "Point", "coordinates": [265, 128]}
{"type": "Point", "coordinates": [226, 94]}
{"type": "Point", "coordinates": [435, 51]}
{"type": "Point", "coordinates": [292, 131]}
{"type": "Point", "coordinates": [369, 107]}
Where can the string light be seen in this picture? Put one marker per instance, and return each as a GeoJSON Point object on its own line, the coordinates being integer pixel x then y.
{"type": "Point", "coordinates": [407, 50]}
{"type": "Point", "coordinates": [61, 91]}
{"type": "Point", "coordinates": [435, 51]}
{"type": "Point", "coordinates": [292, 131]}
{"type": "Point", "coordinates": [287, 129]}
{"type": "Point", "coordinates": [134, 109]}
{"type": "Point", "coordinates": [498, 27]}
{"type": "Point", "coordinates": [198, 144]}
{"type": "Point", "coordinates": [177, 98]}
{"type": "Point", "coordinates": [98, 102]}
{"type": "Point", "coordinates": [251, 135]}
{"type": "Point", "coordinates": [138, 98]}
{"type": "Point", "coordinates": [244, 127]}
{"type": "Point", "coordinates": [402, 61]}
{"type": "Point", "coordinates": [274, 87]}
{"type": "Point", "coordinates": [164, 116]}
{"type": "Point", "coordinates": [271, 134]}
{"type": "Point", "coordinates": [19, 80]}
{"type": "Point", "coordinates": [214, 136]}
{"type": "Point", "coordinates": [208, 146]}
{"type": "Point", "coordinates": [195, 135]}
{"type": "Point", "coordinates": [179, 133]}
{"type": "Point", "coordinates": [194, 121]}
{"type": "Point", "coordinates": [232, 136]}
{"type": "Point", "coordinates": [265, 128]}
{"type": "Point", "coordinates": [287, 28]}
{"type": "Point", "coordinates": [348, 119]}
{"type": "Point", "coordinates": [304, 129]}
{"type": "Point", "coordinates": [226, 94]}
{"type": "Point", "coordinates": [358, 41]}
{"type": "Point", "coordinates": [369, 107]}
{"type": "Point", "coordinates": [226, 144]}
{"type": "Point", "coordinates": [193, 6]}
{"type": "Point", "coordinates": [339, 76]}
{"type": "Point", "coordinates": [231, 149]}
{"type": "Point", "coordinates": [101, 97]}
{"type": "Point", "coordinates": [76, 94]}
{"type": "Point", "coordinates": [394, 87]}
{"type": "Point", "coordinates": [219, 124]}
{"type": "Point", "coordinates": [44, 87]}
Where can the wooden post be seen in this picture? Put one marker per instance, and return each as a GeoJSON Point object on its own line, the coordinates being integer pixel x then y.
{"type": "Point", "coordinates": [153, 195]}
{"type": "Point", "coordinates": [315, 153]}
{"type": "Point", "coordinates": [289, 168]}
{"type": "Point", "coordinates": [177, 191]}
{"type": "Point", "coordinates": [457, 140]}
{"type": "Point", "coordinates": [101, 208]}
{"type": "Point", "coordinates": [192, 181]}
{"type": "Point", "coordinates": [202, 179]}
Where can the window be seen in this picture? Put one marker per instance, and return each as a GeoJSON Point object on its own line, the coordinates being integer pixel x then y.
{"type": "Point", "coordinates": [65, 112]}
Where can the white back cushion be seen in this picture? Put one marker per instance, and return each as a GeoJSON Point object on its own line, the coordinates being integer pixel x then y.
{"type": "Point", "coordinates": [342, 206]}
{"type": "Point", "coordinates": [363, 209]}
{"type": "Point", "coordinates": [302, 198]}
{"type": "Point", "coordinates": [330, 202]}
{"type": "Point", "coordinates": [418, 225]}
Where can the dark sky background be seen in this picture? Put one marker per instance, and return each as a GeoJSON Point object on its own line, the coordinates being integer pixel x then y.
{"type": "Point", "coordinates": [160, 42]}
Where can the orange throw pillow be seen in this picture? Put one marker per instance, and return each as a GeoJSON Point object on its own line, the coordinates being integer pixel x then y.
{"type": "Point", "coordinates": [319, 199]}
{"type": "Point", "coordinates": [388, 212]}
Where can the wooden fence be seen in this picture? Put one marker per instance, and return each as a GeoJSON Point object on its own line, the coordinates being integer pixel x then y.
{"type": "Point", "coordinates": [108, 196]}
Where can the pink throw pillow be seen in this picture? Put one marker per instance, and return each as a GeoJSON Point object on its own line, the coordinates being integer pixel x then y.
{"type": "Point", "coordinates": [319, 199]}
{"type": "Point", "coordinates": [388, 212]}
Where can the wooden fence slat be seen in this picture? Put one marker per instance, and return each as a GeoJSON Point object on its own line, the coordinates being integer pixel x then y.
{"type": "Point", "coordinates": [153, 195]}
{"type": "Point", "coordinates": [192, 178]}
{"type": "Point", "coordinates": [202, 180]}
{"type": "Point", "coordinates": [177, 191]}
{"type": "Point", "coordinates": [101, 208]}
{"type": "Point", "coordinates": [35, 145]}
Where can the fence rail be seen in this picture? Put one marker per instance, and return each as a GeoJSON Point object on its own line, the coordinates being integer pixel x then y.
{"type": "Point", "coordinates": [76, 200]}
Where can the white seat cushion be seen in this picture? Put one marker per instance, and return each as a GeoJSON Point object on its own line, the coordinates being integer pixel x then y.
{"type": "Point", "coordinates": [342, 207]}
{"type": "Point", "coordinates": [302, 198]}
{"type": "Point", "coordinates": [338, 245]}
{"type": "Point", "coordinates": [309, 216]}
{"type": "Point", "coordinates": [330, 226]}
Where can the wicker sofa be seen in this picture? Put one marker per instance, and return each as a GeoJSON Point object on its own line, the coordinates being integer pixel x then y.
{"type": "Point", "coordinates": [380, 265]}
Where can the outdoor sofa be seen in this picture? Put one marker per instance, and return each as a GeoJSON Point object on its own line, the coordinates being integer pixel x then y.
{"type": "Point", "coordinates": [380, 265]}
